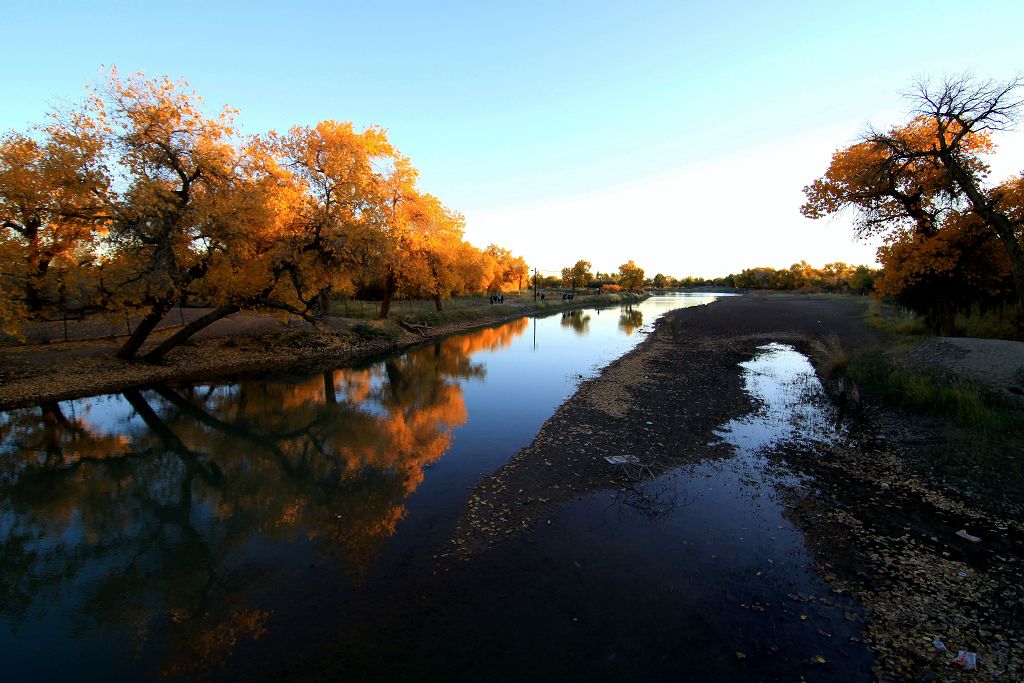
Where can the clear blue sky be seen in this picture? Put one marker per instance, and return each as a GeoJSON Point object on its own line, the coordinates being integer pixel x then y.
{"type": "Point", "coordinates": [675, 133]}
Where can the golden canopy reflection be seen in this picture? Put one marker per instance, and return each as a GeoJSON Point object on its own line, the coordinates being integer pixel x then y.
{"type": "Point", "coordinates": [578, 321]}
{"type": "Point", "coordinates": [630, 319]}
{"type": "Point", "coordinates": [147, 519]}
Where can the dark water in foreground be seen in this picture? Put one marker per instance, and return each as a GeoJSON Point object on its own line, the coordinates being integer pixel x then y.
{"type": "Point", "coordinates": [287, 526]}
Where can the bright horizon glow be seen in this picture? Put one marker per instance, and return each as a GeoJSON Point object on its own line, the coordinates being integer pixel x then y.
{"type": "Point", "coordinates": [702, 209]}
{"type": "Point", "coordinates": [699, 209]}
{"type": "Point", "coordinates": [676, 134]}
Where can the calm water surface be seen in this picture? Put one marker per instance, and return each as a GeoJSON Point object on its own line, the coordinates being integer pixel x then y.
{"type": "Point", "coordinates": [286, 526]}
{"type": "Point", "coordinates": [151, 531]}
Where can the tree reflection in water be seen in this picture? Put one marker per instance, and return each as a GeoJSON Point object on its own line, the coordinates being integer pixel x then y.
{"type": "Point", "coordinates": [144, 524]}
{"type": "Point", "coordinates": [577, 320]}
{"type": "Point", "coordinates": [631, 319]}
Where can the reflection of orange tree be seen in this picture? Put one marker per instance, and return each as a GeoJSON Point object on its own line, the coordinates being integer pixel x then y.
{"type": "Point", "coordinates": [210, 647]}
{"type": "Point", "coordinates": [54, 439]}
{"type": "Point", "coordinates": [577, 320]}
{"type": "Point", "coordinates": [122, 534]}
{"type": "Point", "coordinates": [630, 319]}
{"type": "Point", "coordinates": [336, 469]}
{"type": "Point", "coordinates": [163, 524]}
{"type": "Point", "coordinates": [489, 339]}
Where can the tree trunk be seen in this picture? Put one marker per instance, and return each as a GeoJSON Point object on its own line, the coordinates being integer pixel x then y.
{"type": "Point", "coordinates": [390, 285]}
{"type": "Point", "coordinates": [137, 338]}
{"type": "Point", "coordinates": [437, 302]}
{"type": "Point", "coordinates": [187, 331]}
{"type": "Point", "coordinates": [209, 472]}
{"type": "Point", "coordinates": [942, 318]}
{"type": "Point", "coordinates": [1016, 253]}
{"type": "Point", "coordinates": [35, 284]}
{"type": "Point", "coordinates": [329, 394]}
{"type": "Point", "coordinates": [324, 302]}
{"type": "Point", "coordinates": [395, 388]}
{"type": "Point", "coordinates": [985, 208]}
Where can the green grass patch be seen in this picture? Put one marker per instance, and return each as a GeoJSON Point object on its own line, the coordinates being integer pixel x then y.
{"type": "Point", "coordinates": [458, 311]}
{"type": "Point", "coordinates": [456, 315]}
{"type": "Point", "coordinates": [472, 307]}
{"type": "Point", "coordinates": [1000, 323]}
{"type": "Point", "coordinates": [936, 393]}
{"type": "Point", "coordinates": [896, 321]}
{"type": "Point", "coordinates": [376, 330]}
{"type": "Point", "coordinates": [980, 433]}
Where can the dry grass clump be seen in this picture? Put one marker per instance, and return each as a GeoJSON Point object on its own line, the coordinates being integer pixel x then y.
{"type": "Point", "coordinates": [828, 356]}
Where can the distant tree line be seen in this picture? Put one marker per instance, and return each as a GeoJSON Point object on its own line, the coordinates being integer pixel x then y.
{"type": "Point", "coordinates": [630, 277]}
{"type": "Point", "coordinates": [832, 277]}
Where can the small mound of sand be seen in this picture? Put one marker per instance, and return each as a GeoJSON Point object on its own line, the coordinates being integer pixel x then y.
{"type": "Point", "coordinates": [996, 363]}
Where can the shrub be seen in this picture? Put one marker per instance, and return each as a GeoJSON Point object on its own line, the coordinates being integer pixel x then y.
{"type": "Point", "coordinates": [829, 356]}
{"type": "Point", "coordinates": [368, 331]}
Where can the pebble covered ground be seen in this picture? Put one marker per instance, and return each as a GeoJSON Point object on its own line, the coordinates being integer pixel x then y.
{"type": "Point", "coordinates": [891, 539]}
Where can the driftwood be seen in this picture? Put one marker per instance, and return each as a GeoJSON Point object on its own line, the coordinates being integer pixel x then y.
{"type": "Point", "coordinates": [421, 330]}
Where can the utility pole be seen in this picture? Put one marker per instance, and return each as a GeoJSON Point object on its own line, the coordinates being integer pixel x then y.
{"type": "Point", "coordinates": [534, 285]}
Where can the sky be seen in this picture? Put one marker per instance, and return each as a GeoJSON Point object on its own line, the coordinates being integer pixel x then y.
{"type": "Point", "coordinates": [677, 134]}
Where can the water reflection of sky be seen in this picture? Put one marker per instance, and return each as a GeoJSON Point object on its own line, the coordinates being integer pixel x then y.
{"type": "Point", "coordinates": [670, 577]}
{"type": "Point", "coordinates": [791, 403]}
{"type": "Point", "coordinates": [164, 501]}
{"type": "Point", "coordinates": [107, 414]}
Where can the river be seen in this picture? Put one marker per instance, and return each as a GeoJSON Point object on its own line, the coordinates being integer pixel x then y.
{"type": "Point", "coordinates": [218, 529]}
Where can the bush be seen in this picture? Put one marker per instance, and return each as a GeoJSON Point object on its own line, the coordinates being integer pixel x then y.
{"type": "Point", "coordinates": [302, 339]}
{"type": "Point", "coordinates": [1000, 323]}
{"type": "Point", "coordinates": [368, 331]}
{"type": "Point", "coordinates": [896, 320]}
{"type": "Point", "coordinates": [829, 357]}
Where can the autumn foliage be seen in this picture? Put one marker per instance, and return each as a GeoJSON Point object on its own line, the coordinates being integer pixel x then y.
{"type": "Point", "coordinates": [832, 277]}
{"type": "Point", "coordinates": [138, 200]}
{"type": "Point", "coordinates": [577, 275]}
{"type": "Point", "coordinates": [952, 240]}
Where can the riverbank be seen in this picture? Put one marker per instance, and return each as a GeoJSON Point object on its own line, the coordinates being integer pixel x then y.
{"type": "Point", "coordinates": [246, 343]}
{"type": "Point", "coordinates": [879, 528]}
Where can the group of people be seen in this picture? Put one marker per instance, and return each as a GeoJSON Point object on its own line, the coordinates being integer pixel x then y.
{"type": "Point", "coordinates": [500, 298]}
